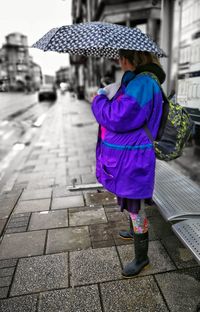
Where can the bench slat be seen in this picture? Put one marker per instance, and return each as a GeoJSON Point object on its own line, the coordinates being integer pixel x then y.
{"type": "Point", "coordinates": [188, 232]}
{"type": "Point", "coordinates": [176, 196]}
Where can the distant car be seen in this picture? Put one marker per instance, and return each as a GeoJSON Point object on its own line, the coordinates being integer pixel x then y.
{"type": "Point", "coordinates": [47, 92]}
{"type": "Point", "coordinates": [3, 87]}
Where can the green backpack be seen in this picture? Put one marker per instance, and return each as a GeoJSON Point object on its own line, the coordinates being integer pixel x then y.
{"type": "Point", "coordinates": [174, 130]}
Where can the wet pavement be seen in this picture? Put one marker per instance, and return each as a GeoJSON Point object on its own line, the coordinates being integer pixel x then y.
{"type": "Point", "coordinates": [13, 102]}
{"type": "Point", "coordinates": [60, 250]}
{"type": "Point", "coordinates": [20, 115]}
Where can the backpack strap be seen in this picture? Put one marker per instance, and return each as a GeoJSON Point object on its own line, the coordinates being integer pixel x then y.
{"type": "Point", "coordinates": [148, 132]}
{"type": "Point", "coordinates": [145, 127]}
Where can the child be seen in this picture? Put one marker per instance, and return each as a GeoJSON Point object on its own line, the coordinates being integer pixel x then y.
{"type": "Point", "coordinates": [125, 157]}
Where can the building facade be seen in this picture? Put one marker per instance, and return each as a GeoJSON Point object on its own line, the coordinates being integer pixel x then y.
{"type": "Point", "coordinates": [3, 71]}
{"type": "Point", "coordinates": [36, 76]}
{"type": "Point", "coordinates": [17, 69]}
{"type": "Point", "coordinates": [186, 58]}
{"type": "Point", "coordinates": [62, 75]}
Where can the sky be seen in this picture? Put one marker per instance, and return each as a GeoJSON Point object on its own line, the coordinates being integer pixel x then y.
{"type": "Point", "coordinates": [33, 18]}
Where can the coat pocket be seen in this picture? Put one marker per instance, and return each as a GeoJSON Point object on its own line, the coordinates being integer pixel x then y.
{"type": "Point", "coordinates": [109, 168]}
{"type": "Point", "coordinates": [106, 171]}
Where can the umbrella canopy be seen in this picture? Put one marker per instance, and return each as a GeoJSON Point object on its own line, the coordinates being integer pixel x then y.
{"type": "Point", "coordinates": [97, 39]}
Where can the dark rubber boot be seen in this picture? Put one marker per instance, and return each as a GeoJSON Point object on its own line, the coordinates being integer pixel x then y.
{"type": "Point", "coordinates": [141, 260]}
{"type": "Point", "coordinates": [127, 234]}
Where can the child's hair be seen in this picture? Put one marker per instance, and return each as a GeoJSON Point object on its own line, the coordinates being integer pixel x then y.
{"type": "Point", "coordinates": [139, 58]}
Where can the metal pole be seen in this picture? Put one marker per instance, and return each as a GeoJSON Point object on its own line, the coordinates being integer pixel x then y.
{"type": "Point", "coordinates": [88, 11]}
{"type": "Point", "coordinates": [166, 38]}
{"type": "Point", "coordinates": [179, 40]}
{"type": "Point", "coordinates": [89, 59]}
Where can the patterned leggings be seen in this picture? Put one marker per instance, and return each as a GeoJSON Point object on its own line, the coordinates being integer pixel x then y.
{"type": "Point", "coordinates": [139, 220]}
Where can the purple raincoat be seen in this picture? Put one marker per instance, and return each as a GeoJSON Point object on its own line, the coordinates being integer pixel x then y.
{"type": "Point", "coordinates": [125, 157]}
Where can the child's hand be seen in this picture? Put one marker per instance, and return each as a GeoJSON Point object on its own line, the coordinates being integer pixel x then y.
{"type": "Point", "coordinates": [111, 89]}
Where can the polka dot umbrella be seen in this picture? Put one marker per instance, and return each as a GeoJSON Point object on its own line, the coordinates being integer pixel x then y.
{"type": "Point", "coordinates": [97, 39]}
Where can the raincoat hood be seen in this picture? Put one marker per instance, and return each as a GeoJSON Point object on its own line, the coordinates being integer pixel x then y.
{"type": "Point", "coordinates": [152, 68]}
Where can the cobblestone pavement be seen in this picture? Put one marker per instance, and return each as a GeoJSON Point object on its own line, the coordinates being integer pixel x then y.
{"type": "Point", "coordinates": [60, 250]}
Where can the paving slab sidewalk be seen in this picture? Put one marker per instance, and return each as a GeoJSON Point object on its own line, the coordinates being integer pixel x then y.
{"type": "Point", "coordinates": [60, 250]}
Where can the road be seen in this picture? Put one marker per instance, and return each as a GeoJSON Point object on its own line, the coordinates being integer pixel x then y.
{"type": "Point", "coordinates": [19, 112]}
{"type": "Point", "coordinates": [10, 103]}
